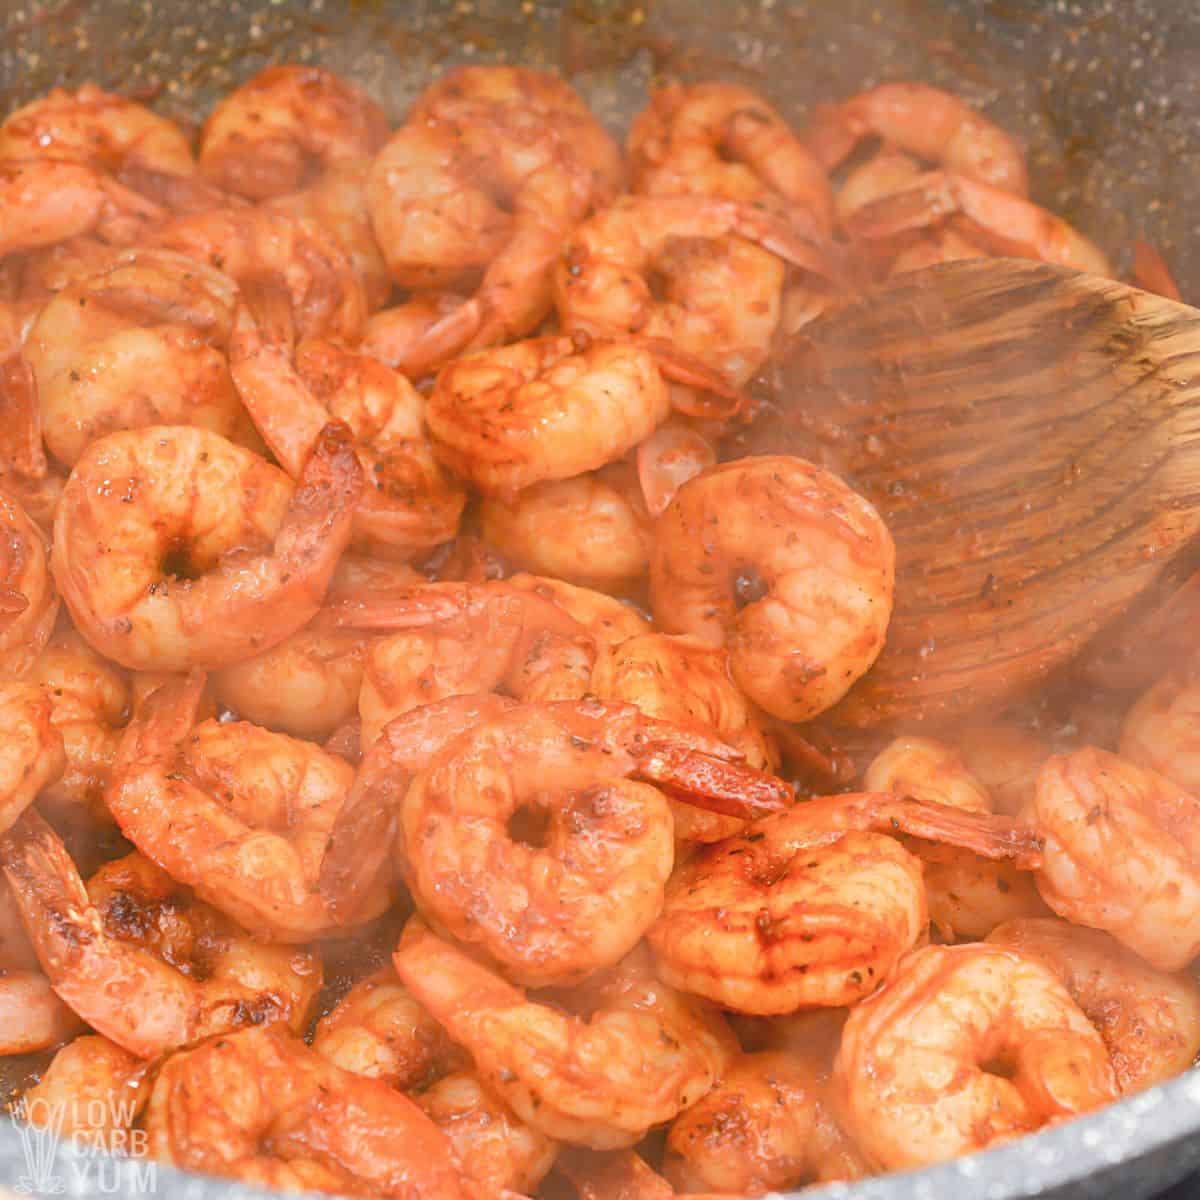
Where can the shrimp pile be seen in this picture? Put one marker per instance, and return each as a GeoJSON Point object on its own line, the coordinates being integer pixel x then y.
{"type": "Point", "coordinates": [416, 776]}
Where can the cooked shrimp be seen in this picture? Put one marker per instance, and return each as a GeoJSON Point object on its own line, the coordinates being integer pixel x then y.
{"type": "Point", "coordinates": [256, 244]}
{"type": "Point", "coordinates": [549, 408]}
{"type": "Point", "coordinates": [89, 701]}
{"type": "Point", "coordinates": [722, 293]}
{"type": "Point", "coordinates": [928, 770]}
{"type": "Point", "coordinates": [90, 1092]}
{"type": "Point", "coordinates": [725, 141]}
{"type": "Point", "coordinates": [43, 201]}
{"type": "Point", "coordinates": [997, 218]}
{"type": "Point", "coordinates": [592, 529]}
{"type": "Point", "coordinates": [686, 681]}
{"type": "Point", "coordinates": [1122, 848]}
{"type": "Point", "coordinates": [932, 124]}
{"type": "Point", "coordinates": [943, 246]}
{"type": "Point", "coordinates": [883, 174]}
{"type": "Point", "coordinates": [338, 203]}
{"type": "Point", "coordinates": [96, 128]}
{"type": "Point", "coordinates": [612, 1175]}
{"type": "Point", "coordinates": [419, 335]}
{"type": "Point", "coordinates": [1005, 759]}
{"type": "Point", "coordinates": [31, 748]}
{"type": "Point", "coordinates": [646, 1053]}
{"type": "Point", "coordinates": [967, 1046]}
{"type": "Point", "coordinates": [238, 813]}
{"type": "Point", "coordinates": [407, 505]}
{"type": "Point", "coordinates": [813, 907]}
{"type": "Point", "coordinates": [377, 1029]}
{"type": "Point", "coordinates": [32, 1017]}
{"type": "Point", "coordinates": [578, 893]}
{"type": "Point", "coordinates": [1149, 1019]}
{"type": "Point", "coordinates": [496, 1148]}
{"type": "Point", "coordinates": [783, 564]}
{"type": "Point", "coordinates": [767, 1126]}
{"type": "Point", "coordinates": [674, 453]}
{"type": "Point", "coordinates": [308, 685]}
{"type": "Point", "coordinates": [173, 547]}
{"type": "Point", "coordinates": [609, 620]}
{"type": "Point", "coordinates": [137, 959]}
{"type": "Point", "coordinates": [1162, 730]}
{"type": "Point", "coordinates": [299, 1123]}
{"type": "Point", "coordinates": [141, 344]}
{"type": "Point", "coordinates": [28, 599]}
{"type": "Point", "coordinates": [285, 127]}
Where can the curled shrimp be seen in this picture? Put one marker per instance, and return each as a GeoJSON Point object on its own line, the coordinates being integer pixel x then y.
{"type": "Point", "coordinates": [933, 124]}
{"type": "Point", "coordinates": [545, 409]}
{"type": "Point", "coordinates": [968, 896]}
{"type": "Point", "coordinates": [1122, 848]}
{"type": "Point", "coordinates": [687, 682]}
{"type": "Point", "coordinates": [255, 244]}
{"type": "Point", "coordinates": [28, 598]}
{"type": "Point", "coordinates": [142, 343]}
{"type": "Point", "coordinates": [97, 128]}
{"type": "Point", "coordinates": [419, 335]}
{"type": "Point", "coordinates": [137, 959]}
{"type": "Point", "coordinates": [1149, 1019]}
{"type": "Point", "coordinates": [406, 505]}
{"type": "Point", "coordinates": [238, 813]}
{"type": "Point", "coordinates": [592, 529]}
{"type": "Point", "coordinates": [582, 893]}
{"type": "Point", "coordinates": [1162, 729]}
{"type": "Point", "coordinates": [722, 140]}
{"type": "Point", "coordinates": [767, 1126]}
{"type": "Point", "coordinates": [31, 748]}
{"type": "Point", "coordinates": [967, 1046]}
{"type": "Point", "coordinates": [1008, 223]}
{"type": "Point", "coordinates": [779, 561]}
{"type": "Point", "coordinates": [813, 907]}
{"type": "Point", "coordinates": [284, 128]}
{"type": "Point", "coordinates": [646, 1053]}
{"type": "Point", "coordinates": [722, 293]}
{"type": "Point", "coordinates": [89, 1092]}
{"type": "Point", "coordinates": [43, 201]}
{"type": "Point", "coordinates": [300, 1123]}
{"type": "Point", "coordinates": [173, 547]}
{"type": "Point", "coordinates": [337, 202]}
{"type": "Point", "coordinates": [1005, 759]}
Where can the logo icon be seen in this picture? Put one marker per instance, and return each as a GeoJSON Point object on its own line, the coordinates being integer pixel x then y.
{"type": "Point", "coordinates": [39, 1125]}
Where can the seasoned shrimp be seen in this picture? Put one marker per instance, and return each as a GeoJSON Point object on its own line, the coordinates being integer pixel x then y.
{"type": "Point", "coordinates": [407, 505]}
{"type": "Point", "coordinates": [43, 201]}
{"type": "Point", "coordinates": [238, 813]}
{"type": "Point", "coordinates": [1122, 853]}
{"type": "Point", "coordinates": [338, 202]}
{"type": "Point", "coordinates": [285, 127]}
{"type": "Point", "coordinates": [927, 770]}
{"type": "Point", "coordinates": [967, 1046]}
{"type": "Point", "coordinates": [1005, 759]}
{"type": "Point", "coordinates": [299, 1123]}
{"type": "Point", "coordinates": [932, 124]}
{"type": "Point", "coordinates": [1149, 1019]}
{"type": "Point", "coordinates": [548, 408]}
{"type": "Point", "coordinates": [579, 891]}
{"type": "Point", "coordinates": [175, 548]}
{"type": "Point", "coordinates": [96, 128]}
{"type": "Point", "coordinates": [779, 561]}
{"type": "Point", "coordinates": [686, 681]}
{"type": "Point", "coordinates": [308, 685]}
{"type": "Point", "coordinates": [377, 1029]}
{"type": "Point", "coordinates": [609, 620]}
{"type": "Point", "coordinates": [256, 244]}
{"type": "Point", "coordinates": [137, 958]}
{"type": "Point", "coordinates": [722, 140]}
{"type": "Point", "coordinates": [592, 529]}
{"type": "Point", "coordinates": [1162, 730]}
{"type": "Point", "coordinates": [646, 1054]}
{"type": "Point", "coordinates": [28, 599]}
{"type": "Point", "coordinates": [142, 343]}
{"type": "Point", "coordinates": [767, 1126]}
{"type": "Point", "coordinates": [813, 907]}
{"type": "Point", "coordinates": [419, 335]}
{"type": "Point", "coordinates": [31, 748]}
{"type": "Point", "coordinates": [1006, 223]}
{"type": "Point", "coordinates": [91, 1092]}
{"type": "Point", "coordinates": [722, 293]}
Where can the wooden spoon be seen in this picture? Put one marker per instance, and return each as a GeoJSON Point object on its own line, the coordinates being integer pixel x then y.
{"type": "Point", "coordinates": [1032, 437]}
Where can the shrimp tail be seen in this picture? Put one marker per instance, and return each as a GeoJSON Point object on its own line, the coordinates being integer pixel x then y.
{"type": "Point", "coordinates": [21, 448]}
{"type": "Point", "coordinates": [704, 388]}
{"type": "Point", "coordinates": [731, 789]}
{"type": "Point", "coordinates": [163, 719]}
